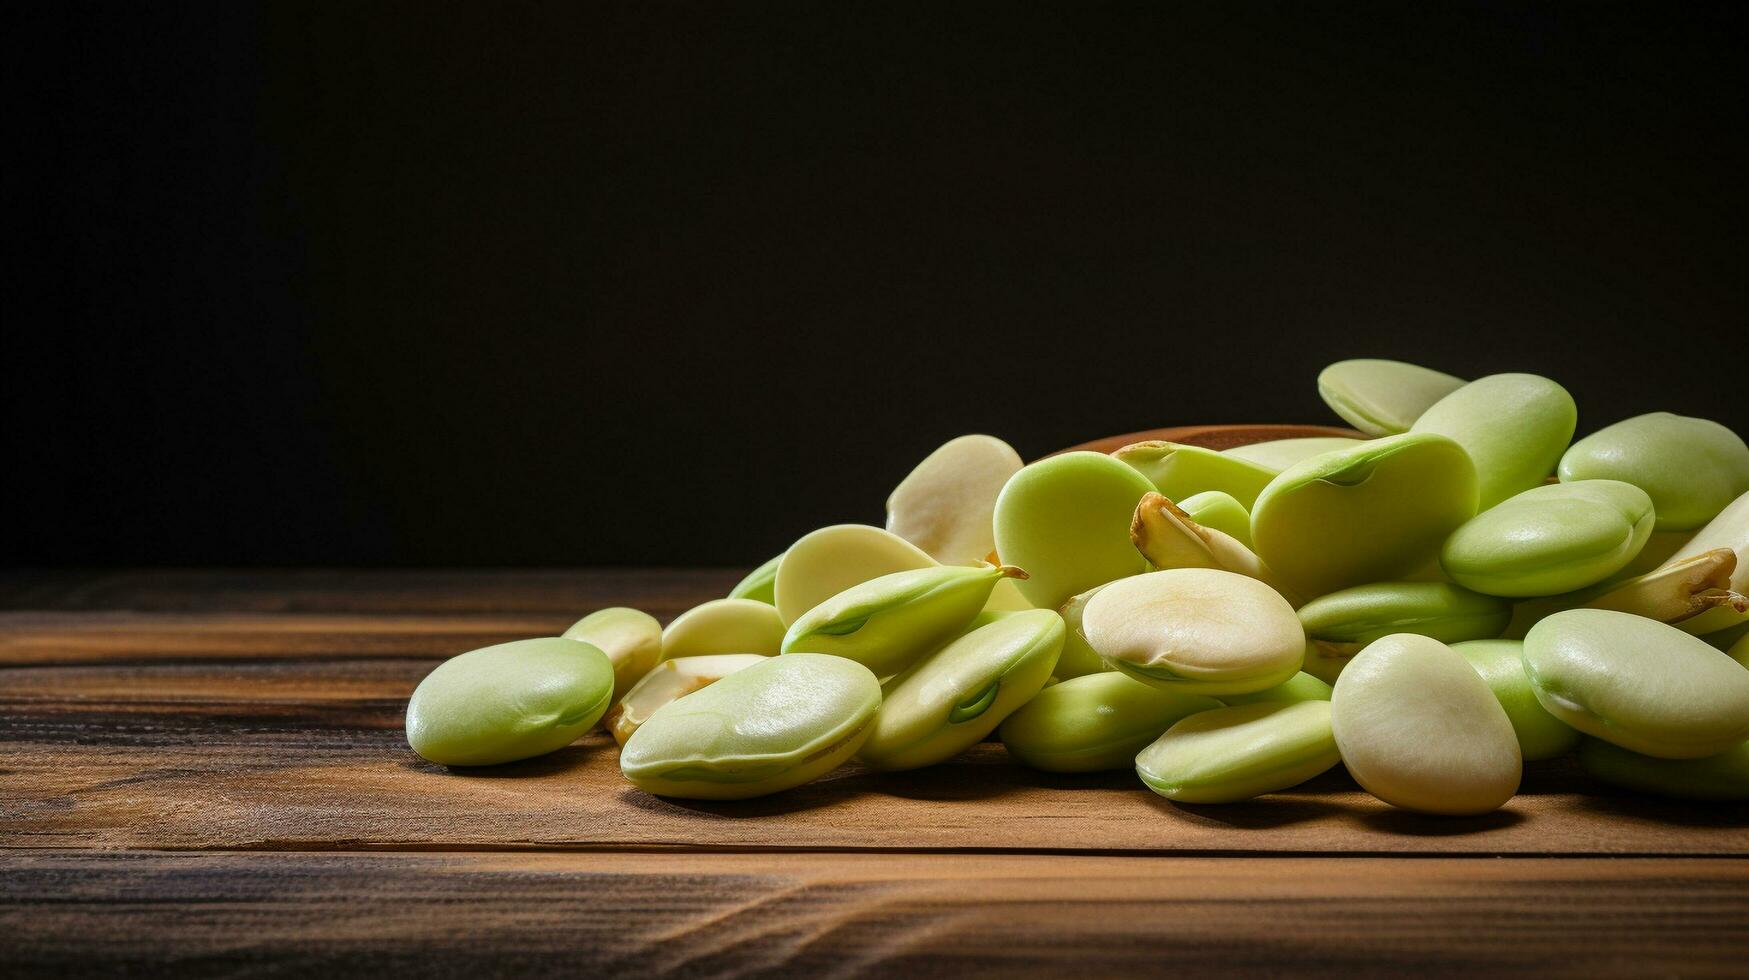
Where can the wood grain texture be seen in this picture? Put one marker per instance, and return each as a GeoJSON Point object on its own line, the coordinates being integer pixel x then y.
{"type": "Point", "coordinates": [468, 915]}
{"type": "Point", "coordinates": [201, 774]}
{"type": "Point", "coordinates": [275, 753]}
{"type": "Point", "coordinates": [50, 638]}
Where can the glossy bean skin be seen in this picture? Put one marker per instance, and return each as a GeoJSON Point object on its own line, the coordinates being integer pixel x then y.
{"type": "Point", "coordinates": [1645, 686]}
{"type": "Point", "coordinates": [1513, 426]}
{"type": "Point", "coordinates": [1501, 663]}
{"type": "Point", "coordinates": [964, 691]}
{"type": "Point", "coordinates": [1551, 539]}
{"type": "Point", "coordinates": [1179, 471]}
{"type": "Point", "coordinates": [507, 702]}
{"type": "Point", "coordinates": [1382, 397]}
{"type": "Point", "coordinates": [1374, 513]}
{"type": "Point", "coordinates": [888, 623]}
{"type": "Point", "coordinates": [1232, 754]}
{"type": "Point", "coordinates": [1279, 454]}
{"type": "Point", "coordinates": [766, 728]}
{"type": "Point", "coordinates": [1691, 468]}
{"type": "Point", "coordinates": [1095, 722]}
{"type": "Point", "coordinates": [1419, 728]}
{"type": "Point", "coordinates": [724, 626]}
{"type": "Point", "coordinates": [632, 640]}
{"type": "Point", "coordinates": [1066, 520]}
{"type": "Point", "coordinates": [1363, 613]}
{"type": "Point", "coordinates": [825, 562]}
{"type": "Point", "coordinates": [1724, 776]}
{"type": "Point", "coordinates": [1300, 687]}
{"type": "Point", "coordinates": [1196, 631]}
{"type": "Point", "coordinates": [1221, 512]}
{"type": "Point", "coordinates": [946, 505]}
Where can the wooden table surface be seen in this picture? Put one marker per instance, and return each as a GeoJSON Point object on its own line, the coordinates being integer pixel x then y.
{"type": "Point", "coordinates": [204, 773]}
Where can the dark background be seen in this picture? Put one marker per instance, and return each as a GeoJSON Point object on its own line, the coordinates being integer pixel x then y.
{"type": "Point", "coordinates": [632, 283]}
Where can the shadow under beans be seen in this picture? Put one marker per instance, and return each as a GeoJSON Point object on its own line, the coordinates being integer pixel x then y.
{"type": "Point", "coordinates": [567, 759]}
{"type": "Point", "coordinates": [1555, 777]}
{"type": "Point", "coordinates": [1405, 822]}
{"type": "Point", "coordinates": [1617, 804]}
{"type": "Point", "coordinates": [812, 796]}
{"type": "Point", "coordinates": [1333, 780]}
{"type": "Point", "coordinates": [1262, 813]}
{"type": "Point", "coordinates": [965, 779]}
{"type": "Point", "coordinates": [1107, 779]}
{"type": "Point", "coordinates": [952, 783]}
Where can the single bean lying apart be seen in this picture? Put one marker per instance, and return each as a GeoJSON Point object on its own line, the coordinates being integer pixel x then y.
{"type": "Point", "coordinates": [1460, 591]}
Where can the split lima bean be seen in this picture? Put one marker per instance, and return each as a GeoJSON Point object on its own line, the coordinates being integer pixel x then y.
{"type": "Point", "coordinates": [1454, 589]}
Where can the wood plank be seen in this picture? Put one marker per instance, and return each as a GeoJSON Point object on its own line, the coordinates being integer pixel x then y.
{"type": "Point", "coordinates": [286, 754]}
{"type": "Point", "coordinates": [466, 915]}
{"type": "Point", "coordinates": [561, 593]}
{"type": "Point", "coordinates": [48, 638]}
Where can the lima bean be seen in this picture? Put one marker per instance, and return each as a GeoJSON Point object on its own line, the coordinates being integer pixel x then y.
{"type": "Point", "coordinates": [1231, 754]}
{"type": "Point", "coordinates": [766, 728]}
{"type": "Point", "coordinates": [1513, 426]}
{"type": "Point", "coordinates": [946, 505]}
{"type": "Point", "coordinates": [1647, 687]}
{"type": "Point", "coordinates": [964, 690]}
{"type": "Point", "coordinates": [1501, 663]}
{"type": "Point", "coordinates": [1066, 520]}
{"type": "Point", "coordinates": [1550, 539]}
{"type": "Point", "coordinates": [1373, 513]}
{"type": "Point", "coordinates": [1363, 613]}
{"type": "Point", "coordinates": [1196, 631]}
{"type": "Point", "coordinates": [631, 639]}
{"type": "Point", "coordinates": [887, 623]}
{"type": "Point", "coordinates": [510, 701]}
{"type": "Point", "coordinates": [1179, 471]}
{"type": "Point", "coordinates": [1094, 722]}
{"type": "Point", "coordinates": [1419, 728]}
{"type": "Point", "coordinates": [1381, 397]}
{"type": "Point", "coordinates": [724, 626]}
{"type": "Point", "coordinates": [1691, 468]}
{"type": "Point", "coordinates": [823, 563]}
